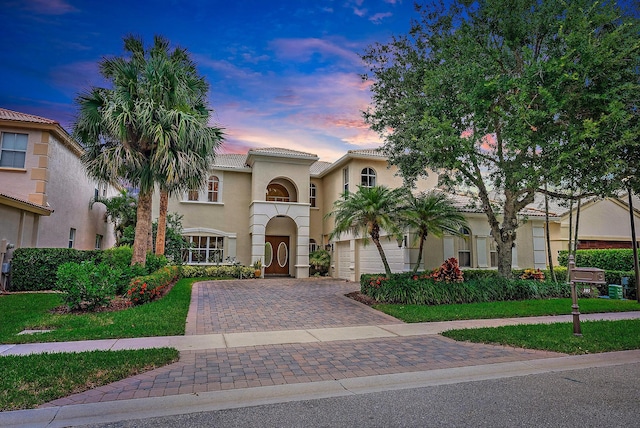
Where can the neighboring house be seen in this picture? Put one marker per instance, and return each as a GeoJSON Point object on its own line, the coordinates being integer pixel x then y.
{"type": "Point", "coordinates": [603, 223]}
{"type": "Point", "coordinates": [44, 190]}
{"type": "Point", "coordinates": [272, 204]}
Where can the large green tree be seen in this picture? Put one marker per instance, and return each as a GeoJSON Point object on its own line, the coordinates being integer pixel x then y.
{"type": "Point", "coordinates": [500, 96]}
{"type": "Point", "coordinates": [432, 212]}
{"type": "Point", "coordinates": [368, 211]}
{"type": "Point", "coordinates": [149, 127]}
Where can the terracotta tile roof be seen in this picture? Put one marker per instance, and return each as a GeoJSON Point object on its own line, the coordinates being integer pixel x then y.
{"type": "Point", "coordinates": [23, 117]}
{"type": "Point", "coordinates": [282, 151]}
{"type": "Point", "coordinates": [25, 202]}
{"type": "Point", "coordinates": [319, 167]}
{"type": "Point", "coordinates": [230, 161]}
{"type": "Point", "coordinates": [368, 152]}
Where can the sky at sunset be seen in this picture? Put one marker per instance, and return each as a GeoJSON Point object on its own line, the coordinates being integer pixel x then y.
{"type": "Point", "coordinates": [283, 73]}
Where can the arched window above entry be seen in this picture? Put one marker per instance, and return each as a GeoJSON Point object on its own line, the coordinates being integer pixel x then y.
{"type": "Point", "coordinates": [368, 177]}
{"type": "Point", "coordinates": [277, 193]}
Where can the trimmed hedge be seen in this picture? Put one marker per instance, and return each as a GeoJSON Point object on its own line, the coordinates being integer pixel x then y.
{"type": "Point", "coordinates": [35, 269]}
{"type": "Point", "coordinates": [224, 271]}
{"type": "Point", "coordinates": [611, 259]}
{"type": "Point", "coordinates": [404, 289]}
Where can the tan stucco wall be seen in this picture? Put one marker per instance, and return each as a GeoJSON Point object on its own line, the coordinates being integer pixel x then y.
{"type": "Point", "coordinates": [231, 215]}
{"type": "Point", "coordinates": [69, 193]}
{"type": "Point", "coordinates": [316, 214]}
{"type": "Point", "coordinates": [266, 169]}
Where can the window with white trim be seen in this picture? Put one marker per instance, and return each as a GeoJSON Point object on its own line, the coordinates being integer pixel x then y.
{"type": "Point", "coordinates": [98, 242]}
{"type": "Point", "coordinates": [13, 150]}
{"type": "Point", "coordinates": [204, 249]}
{"type": "Point", "coordinates": [312, 195]}
{"type": "Point", "coordinates": [312, 245]}
{"type": "Point", "coordinates": [368, 177]}
{"type": "Point", "coordinates": [345, 180]}
{"type": "Point", "coordinates": [72, 237]}
{"type": "Point", "coordinates": [493, 253]}
{"type": "Point", "coordinates": [213, 189]}
{"type": "Point", "coordinates": [193, 195]}
{"type": "Point", "coordinates": [464, 248]}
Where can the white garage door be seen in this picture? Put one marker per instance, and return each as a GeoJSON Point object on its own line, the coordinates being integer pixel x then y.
{"type": "Point", "coordinates": [370, 261]}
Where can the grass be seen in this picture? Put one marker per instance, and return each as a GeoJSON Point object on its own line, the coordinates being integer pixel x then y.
{"type": "Point", "coordinates": [164, 317]}
{"type": "Point", "coordinates": [597, 336]}
{"type": "Point", "coordinates": [509, 309]}
{"type": "Point", "coordinates": [29, 381]}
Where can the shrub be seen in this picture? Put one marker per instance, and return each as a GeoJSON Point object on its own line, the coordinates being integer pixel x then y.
{"type": "Point", "coordinates": [611, 259]}
{"type": "Point", "coordinates": [422, 289]}
{"type": "Point", "coordinates": [448, 272]}
{"type": "Point", "coordinates": [34, 269]}
{"type": "Point", "coordinates": [222, 271]}
{"type": "Point", "coordinates": [86, 285]}
{"type": "Point", "coordinates": [144, 289]}
{"type": "Point", "coordinates": [320, 260]}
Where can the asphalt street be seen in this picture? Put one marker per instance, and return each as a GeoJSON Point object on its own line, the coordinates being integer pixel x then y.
{"type": "Point", "coordinates": [593, 397]}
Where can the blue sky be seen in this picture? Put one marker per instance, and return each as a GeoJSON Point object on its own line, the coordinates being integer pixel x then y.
{"type": "Point", "coordinates": [282, 73]}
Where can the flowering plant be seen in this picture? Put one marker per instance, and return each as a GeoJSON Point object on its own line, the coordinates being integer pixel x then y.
{"type": "Point", "coordinates": [448, 272]}
{"type": "Point", "coordinates": [534, 274]}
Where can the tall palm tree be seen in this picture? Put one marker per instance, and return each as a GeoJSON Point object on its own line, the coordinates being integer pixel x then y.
{"type": "Point", "coordinates": [150, 127]}
{"type": "Point", "coordinates": [434, 213]}
{"type": "Point", "coordinates": [369, 210]}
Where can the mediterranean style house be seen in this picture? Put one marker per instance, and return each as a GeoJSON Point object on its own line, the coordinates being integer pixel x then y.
{"type": "Point", "coordinates": [45, 193]}
{"type": "Point", "coordinates": [271, 204]}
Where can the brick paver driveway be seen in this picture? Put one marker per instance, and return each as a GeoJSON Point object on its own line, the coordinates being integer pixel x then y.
{"type": "Point", "coordinates": [277, 304]}
{"type": "Point", "coordinates": [290, 304]}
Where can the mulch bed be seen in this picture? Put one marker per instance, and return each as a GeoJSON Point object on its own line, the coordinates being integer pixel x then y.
{"type": "Point", "coordinates": [362, 298]}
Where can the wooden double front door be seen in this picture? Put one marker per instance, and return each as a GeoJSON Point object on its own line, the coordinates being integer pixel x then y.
{"type": "Point", "coordinates": [276, 255]}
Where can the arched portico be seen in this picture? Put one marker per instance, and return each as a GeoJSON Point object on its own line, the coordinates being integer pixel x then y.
{"type": "Point", "coordinates": [281, 219]}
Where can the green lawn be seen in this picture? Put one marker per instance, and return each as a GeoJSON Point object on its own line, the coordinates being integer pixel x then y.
{"type": "Point", "coordinates": [164, 317]}
{"type": "Point", "coordinates": [30, 380]}
{"type": "Point", "coordinates": [509, 309]}
{"type": "Point", "coordinates": [597, 336]}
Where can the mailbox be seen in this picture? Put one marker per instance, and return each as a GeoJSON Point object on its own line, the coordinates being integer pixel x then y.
{"type": "Point", "coordinates": [588, 275]}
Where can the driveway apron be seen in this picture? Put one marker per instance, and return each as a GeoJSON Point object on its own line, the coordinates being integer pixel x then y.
{"type": "Point", "coordinates": [270, 305]}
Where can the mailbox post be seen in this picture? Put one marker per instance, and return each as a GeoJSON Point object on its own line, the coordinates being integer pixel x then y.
{"type": "Point", "coordinates": [584, 275]}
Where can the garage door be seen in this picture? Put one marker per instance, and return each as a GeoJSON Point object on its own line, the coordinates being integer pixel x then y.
{"type": "Point", "coordinates": [370, 261]}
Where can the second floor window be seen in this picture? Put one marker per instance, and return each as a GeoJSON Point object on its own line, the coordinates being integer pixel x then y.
{"type": "Point", "coordinates": [312, 195]}
{"type": "Point", "coordinates": [13, 150]}
{"type": "Point", "coordinates": [368, 177]}
{"type": "Point", "coordinates": [193, 195]}
{"type": "Point", "coordinates": [213, 189]}
{"type": "Point", "coordinates": [345, 180]}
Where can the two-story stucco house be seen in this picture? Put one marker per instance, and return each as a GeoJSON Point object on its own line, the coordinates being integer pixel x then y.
{"type": "Point", "coordinates": [45, 193]}
{"type": "Point", "coordinates": [272, 204]}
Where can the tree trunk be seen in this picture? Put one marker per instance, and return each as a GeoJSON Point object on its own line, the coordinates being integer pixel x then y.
{"type": "Point", "coordinates": [505, 256]}
{"type": "Point", "coordinates": [162, 222]}
{"type": "Point", "coordinates": [575, 233]}
{"type": "Point", "coordinates": [634, 245]}
{"type": "Point", "coordinates": [143, 228]}
{"type": "Point", "coordinates": [546, 217]}
{"type": "Point", "coordinates": [417, 266]}
{"type": "Point", "coordinates": [570, 232]}
{"type": "Point", "coordinates": [375, 237]}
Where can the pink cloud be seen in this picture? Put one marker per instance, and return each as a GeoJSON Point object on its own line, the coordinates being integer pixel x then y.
{"type": "Point", "coordinates": [359, 12]}
{"type": "Point", "coordinates": [303, 49]}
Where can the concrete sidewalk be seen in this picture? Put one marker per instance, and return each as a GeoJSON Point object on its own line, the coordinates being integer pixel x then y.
{"type": "Point", "coordinates": [263, 338]}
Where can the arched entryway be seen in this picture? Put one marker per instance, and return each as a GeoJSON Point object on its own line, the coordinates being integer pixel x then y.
{"type": "Point", "coordinates": [280, 246]}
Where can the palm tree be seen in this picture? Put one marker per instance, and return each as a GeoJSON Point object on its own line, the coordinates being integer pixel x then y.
{"type": "Point", "coordinates": [434, 213]}
{"type": "Point", "coordinates": [121, 209]}
{"type": "Point", "coordinates": [150, 127]}
{"type": "Point", "coordinates": [369, 210]}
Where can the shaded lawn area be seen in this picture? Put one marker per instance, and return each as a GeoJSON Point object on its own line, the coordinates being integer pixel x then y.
{"type": "Point", "coordinates": [164, 317]}
{"type": "Point", "coordinates": [597, 336]}
{"type": "Point", "coordinates": [507, 309]}
{"type": "Point", "coordinates": [31, 380]}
